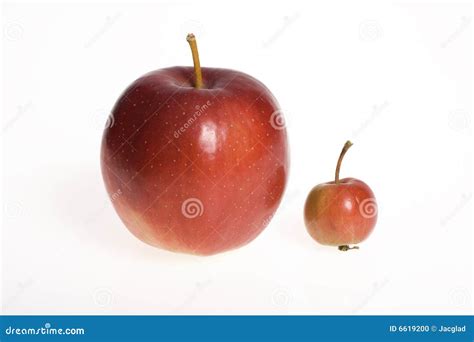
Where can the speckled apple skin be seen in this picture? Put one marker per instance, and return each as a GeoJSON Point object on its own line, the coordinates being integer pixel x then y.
{"type": "Point", "coordinates": [340, 214]}
{"type": "Point", "coordinates": [203, 186]}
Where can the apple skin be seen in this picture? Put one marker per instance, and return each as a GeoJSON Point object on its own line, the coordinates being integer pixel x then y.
{"type": "Point", "coordinates": [198, 171]}
{"type": "Point", "coordinates": [340, 214]}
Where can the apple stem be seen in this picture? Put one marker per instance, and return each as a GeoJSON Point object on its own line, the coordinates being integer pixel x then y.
{"type": "Point", "coordinates": [345, 248]}
{"type": "Point", "coordinates": [197, 66]}
{"type": "Point", "coordinates": [347, 145]}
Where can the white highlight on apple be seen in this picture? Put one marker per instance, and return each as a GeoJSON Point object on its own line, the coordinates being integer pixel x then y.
{"type": "Point", "coordinates": [198, 112]}
{"type": "Point", "coordinates": [208, 137]}
{"type": "Point", "coordinates": [110, 121]}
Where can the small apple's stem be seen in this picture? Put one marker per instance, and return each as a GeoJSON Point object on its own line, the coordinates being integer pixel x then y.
{"type": "Point", "coordinates": [197, 66]}
{"type": "Point", "coordinates": [345, 248]}
{"type": "Point", "coordinates": [347, 145]}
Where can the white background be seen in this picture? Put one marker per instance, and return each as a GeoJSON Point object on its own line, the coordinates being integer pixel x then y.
{"type": "Point", "coordinates": [395, 78]}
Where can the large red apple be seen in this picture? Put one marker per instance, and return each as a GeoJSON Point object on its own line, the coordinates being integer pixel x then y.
{"type": "Point", "coordinates": [342, 212]}
{"type": "Point", "coordinates": [195, 161]}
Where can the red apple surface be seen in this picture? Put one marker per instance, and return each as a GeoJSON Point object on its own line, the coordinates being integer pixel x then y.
{"type": "Point", "coordinates": [195, 160]}
{"type": "Point", "coordinates": [342, 212]}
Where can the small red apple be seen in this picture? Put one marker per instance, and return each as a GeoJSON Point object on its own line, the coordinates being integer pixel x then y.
{"type": "Point", "coordinates": [342, 212]}
{"type": "Point", "coordinates": [195, 161]}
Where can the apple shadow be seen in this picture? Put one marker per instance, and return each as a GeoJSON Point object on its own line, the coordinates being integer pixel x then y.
{"type": "Point", "coordinates": [84, 207]}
